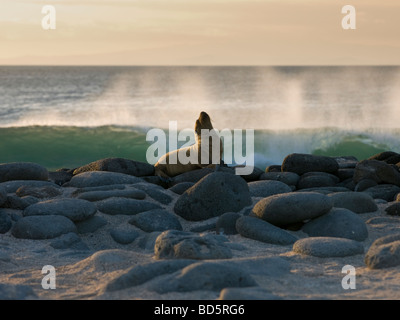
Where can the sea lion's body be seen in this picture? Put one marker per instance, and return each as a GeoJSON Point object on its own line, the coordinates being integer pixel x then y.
{"type": "Point", "coordinates": [167, 168]}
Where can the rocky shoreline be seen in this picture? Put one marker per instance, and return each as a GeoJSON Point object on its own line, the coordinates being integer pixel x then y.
{"type": "Point", "coordinates": [113, 230]}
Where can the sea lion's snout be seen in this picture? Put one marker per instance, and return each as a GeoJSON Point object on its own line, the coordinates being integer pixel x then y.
{"type": "Point", "coordinates": [203, 122]}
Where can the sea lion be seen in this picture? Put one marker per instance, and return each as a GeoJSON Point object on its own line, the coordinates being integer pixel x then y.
{"type": "Point", "coordinates": [165, 167]}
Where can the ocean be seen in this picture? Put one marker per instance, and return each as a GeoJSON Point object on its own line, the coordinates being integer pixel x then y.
{"type": "Point", "coordinates": [65, 117]}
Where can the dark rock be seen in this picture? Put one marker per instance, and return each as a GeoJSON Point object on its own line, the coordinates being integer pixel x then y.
{"type": "Point", "coordinates": [364, 184]}
{"type": "Point", "coordinates": [101, 195]}
{"type": "Point", "coordinates": [5, 222]}
{"type": "Point", "coordinates": [22, 171]}
{"type": "Point", "coordinates": [180, 188]}
{"type": "Point", "coordinates": [15, 202]}
{"type": "Point", "coordinates": [91, 224]}
{"type": "Point", "coordinates": [140, 274]}
{"type": "Point", "coordinates": [3, 196]}
{"type": "Point", "coordinates": [384, 252]}
{"type": "Point", "coordinates": [100, 178]}
{"type": "Point", "coordinates": [257, 229]}
{"type": "Point", "coordinates": [42, 227]}
{"type": "Point", "coordinates": [303, 163]}
{"type": "Point", "coordinates": [203, 276]}
{"type": "Point", "coordinates": [325, 190]}
{"type": "Point", "coordinates": [290, 178]}
{"type": "Point", "coordinates": [212, 196]}
{"type": "Point", "coordinates": [340, 223]}
{"type": "Point", "coordinates": [393, 209]}
{"type": "Point", "coordinates": [69, 241]}
{"type": "Point", "coordinates": [13, 186]}
{"type": "Point", "coordinates": [254, 175]}
{"type": "Point", "coordinates": [16, 292]}
{"type": "Point", "coordinates": [266, 188]}
{"type": "Point", "coordinates": [125, 206]}
{"type": "Point", "coordinates": [147, 241]}
{"type": "Point", "coordinates": [346, 162]}
{"type": "Point", "coordinates": [389, 157]}
{"type": "Point", "coordinates": [191, 176]}
{"type": "Point", "coordinates": [325, 247]}
{"type": "Point", "coordinates": [357, 202]}
{"type": "Point", "coordinates": [344, 174]}
{"type": "Point", "coordinates": [273, 168]}
{"type": "Point", "coordinates": [226, 223]}
{"type": "Point", "coordinates": [316, 180]}
{"type": "Point", "coordinates": [124, 236]}
{"type": "Point", "coordinates": [383, 191]}
{"type": "Point", "coordinates": [188, 245]}
{"type": "Point", "coordinates": [119, 165]}
{"type": "Point", "coordinates": [60, 177]}
{"type": "Point", "coordinates": [284, 209]}
{"type": "Point", "coordinates": [74, 209]}
{"type": "Point", "coordinates": [156, 220]}
{"type": "Point", "coordinates": [39, 192]}
{"type": "Point", "coordinates": [155, 192]}
{"type": "Point", "coordinates": [378, 171]}
{"type": "Point", "coordinates": [249, 293]}
{"type": "Point", "coordinates": [110, 187]}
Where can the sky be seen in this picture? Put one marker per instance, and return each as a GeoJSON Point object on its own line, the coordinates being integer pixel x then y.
{"type": "Point", "coordinates": [199, 32]}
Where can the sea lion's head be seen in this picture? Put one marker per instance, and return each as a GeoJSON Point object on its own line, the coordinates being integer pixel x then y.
{"type": "Point", "coordinates": [203, 122]}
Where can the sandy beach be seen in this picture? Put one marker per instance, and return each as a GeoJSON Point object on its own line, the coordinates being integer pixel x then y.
{"type": "Point", "coordinates": [277, 270]}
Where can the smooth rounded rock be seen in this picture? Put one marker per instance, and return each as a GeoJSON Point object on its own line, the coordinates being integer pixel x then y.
{"type": "Point", "coordinates": [267, 188]}
{"type": "Point", "coordinates": [101, 195]}
{"type": "Point", "coordinates": [384, 252]}
{"type": "Point", "coordinates": [203, 276]}
{"type": "Point", "coordinates": [290, 178]}
{"type": "Point", "coordinates": [119, 165]}
{"type": "Point", "coordinates": [288, 208]}
{"type": "Point", "coordinates": [378, 171]}
{"type": "Point", "coordinates": [215, 194]}
{"type": "Point", "coordinates": [189, 245]}
{"type": "Point", "coordinates": [22, 171]}
{"type": "Point", "coordinates": [357, 202]}
{"type": "Point", "coordinates": [42, 227]}
{"type": "Point", "coordinates": [393, 209]}
{"type": "Point", "coordinates": [124, 236]}
{"type": "Point", "coordinates": [39, 192]}
{"type": "Point", "coordinates": [3, 196]}
{"type": "Point", "coordinates": [302, 163]}
{"type": "Point", "coordinates": [74, 209]}
{"type": "Point", "coordinates": [386, 192]}
{"type": "Point", "coordinates": [5, 222]}
{"type": "Point", "coordinates": [100, 178]}
{"type": "Point", "coordinates": [340, 223]}
{"type": "Point", "coordinates": [257, 229]}
{"type": "Point", "coordinates": [125, 206]}
{"type": "Point", "coordinates": [325, 247]}
{"type": "Point", "coordinates": [156, 220]}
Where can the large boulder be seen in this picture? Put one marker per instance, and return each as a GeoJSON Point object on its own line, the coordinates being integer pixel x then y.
{"type": "Point", "coordinates": [288, 208]}
{"type": "Point", "coordinates": [213, 195]}
{"type": "Point", "coordinates": [22, 171]}
{"type": "Point", "coordinates": [120, 165]}
{"type": "Point", "coordinates": [303, 163]}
